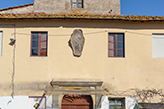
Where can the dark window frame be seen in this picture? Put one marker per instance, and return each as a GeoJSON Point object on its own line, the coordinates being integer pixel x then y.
{"type": "Point", "coordinates": [117, 99]}
{"type": "Point", "coordinates": [115, 45]}
{"type": "Point", "coordinates": [39, 43]}
{"type": "Point", "coordinates": [77, 3]}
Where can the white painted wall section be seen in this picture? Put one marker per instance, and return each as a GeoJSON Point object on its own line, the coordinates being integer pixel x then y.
{"type": "Point", "coordinates": [19, 102]}
{"type": "Point", "coordinates": [48, 102]}
{"type": "Point", "coordinates": [130, 102]}
{"type": "Point", "coordinates": [105, 103]}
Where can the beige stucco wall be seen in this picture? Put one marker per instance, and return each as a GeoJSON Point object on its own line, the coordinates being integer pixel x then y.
{"type": "Point", "coordinates": [137, 69]}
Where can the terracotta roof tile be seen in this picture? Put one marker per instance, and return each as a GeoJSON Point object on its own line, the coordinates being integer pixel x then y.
{"type": "Point", "coordinates": [43, 15]}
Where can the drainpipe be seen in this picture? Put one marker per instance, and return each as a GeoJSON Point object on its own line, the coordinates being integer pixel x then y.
{"type": "Point", "coordinates": [13, 73]}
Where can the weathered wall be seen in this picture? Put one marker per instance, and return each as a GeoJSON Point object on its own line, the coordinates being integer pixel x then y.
{"type": "Point", "coordinates": [49, 6]}
{"type": "Point", "coordinates": [20, 10]}
{"type": "Point", "coordinates": [138, 68]}
{"type": "Point", "coordinates": [90, 6]}
{"type": "Point", "coordinates": [65, 6]}
{"type": "Point", "coordinates": [102, 6]}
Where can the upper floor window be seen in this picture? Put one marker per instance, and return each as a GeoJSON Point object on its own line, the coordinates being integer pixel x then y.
{"type": "Point", "coordinates": [77, 3]}
{"type": "Point", "coordinates": [116, 45]}
{"type": "Point", "coordinates": [39, 44]}
{"type": "Point", "coordinates": [158, 45]}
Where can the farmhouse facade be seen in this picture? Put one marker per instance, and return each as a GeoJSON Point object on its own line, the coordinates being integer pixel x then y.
{"type": "Point", "coordinates": [41, 68]}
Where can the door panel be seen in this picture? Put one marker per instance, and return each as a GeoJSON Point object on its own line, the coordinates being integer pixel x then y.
{"type": "Point", "coordinates": [77, 102]}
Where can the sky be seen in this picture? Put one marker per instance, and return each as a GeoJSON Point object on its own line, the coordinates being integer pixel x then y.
{"type": "Point", "coordinates": [128, 7]}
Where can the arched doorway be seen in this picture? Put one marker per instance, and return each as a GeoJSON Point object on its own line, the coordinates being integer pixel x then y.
{"type": "Point", "coordinates": [77, 102]}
